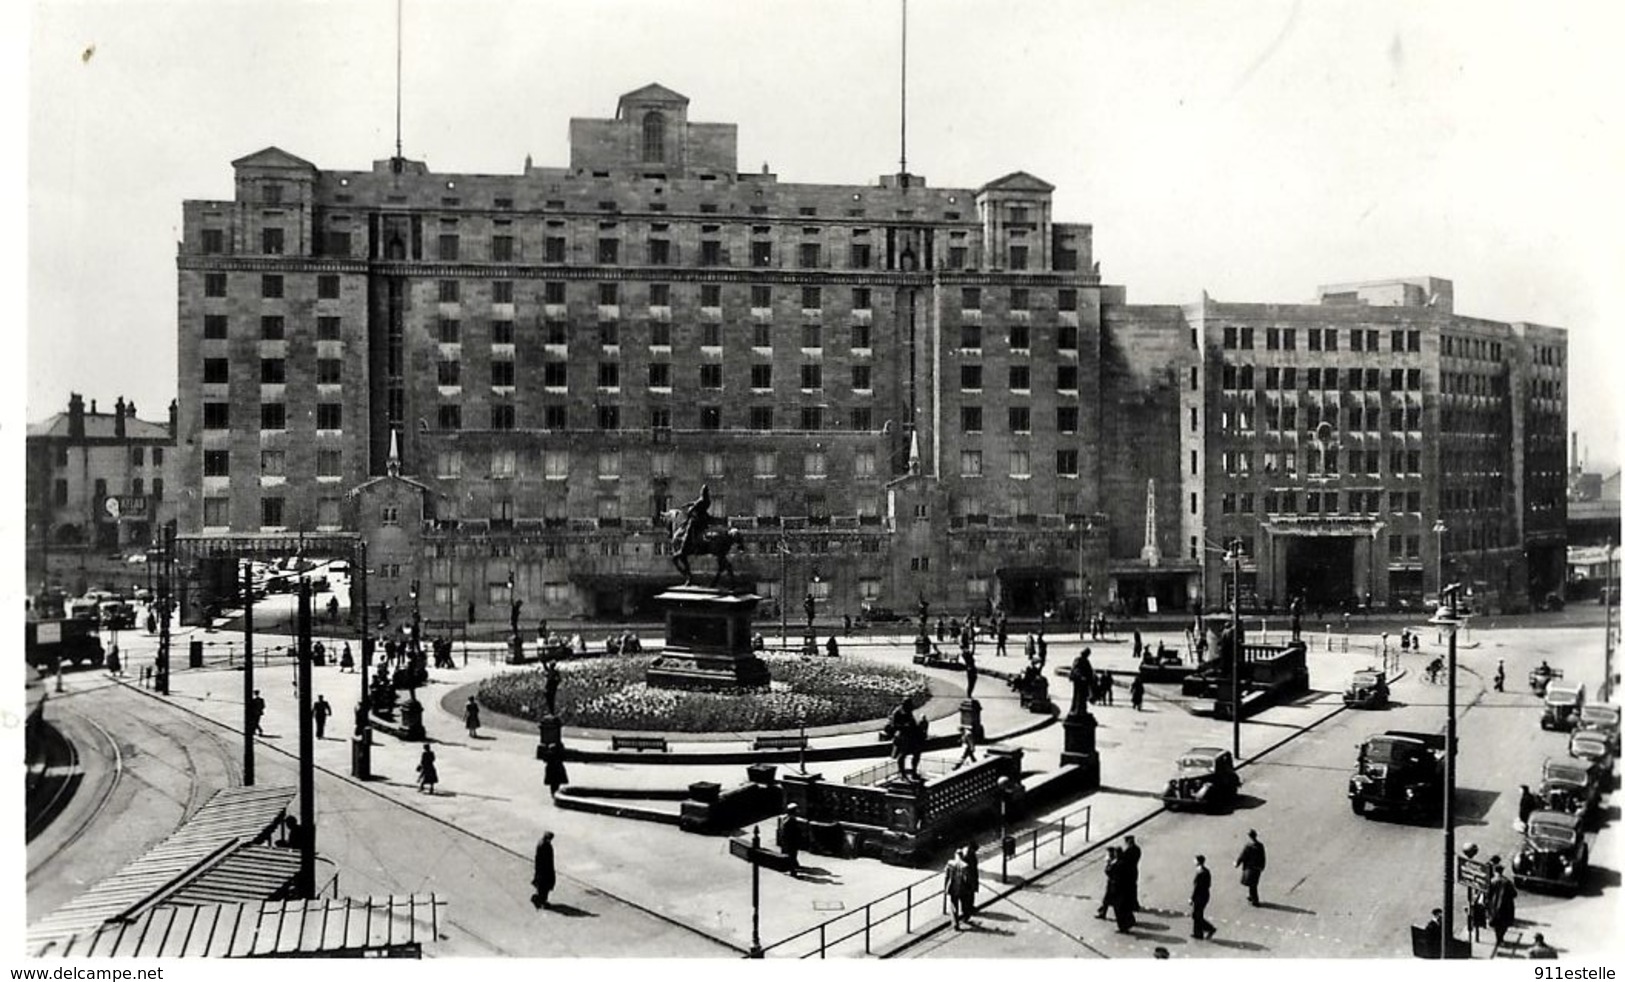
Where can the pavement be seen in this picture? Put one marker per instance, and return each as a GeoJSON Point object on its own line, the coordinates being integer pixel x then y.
{"type": "Point", "coordinates": [471, 841]}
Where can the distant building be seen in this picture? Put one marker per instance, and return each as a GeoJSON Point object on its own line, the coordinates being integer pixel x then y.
{"type": "Point", "coordinates": [894, 390]}
{"type": "Point", "coordinates": [99, 481]}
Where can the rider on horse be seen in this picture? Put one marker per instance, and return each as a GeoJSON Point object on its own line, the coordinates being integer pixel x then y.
{"type": "Point", "coordinates": [692, 533]}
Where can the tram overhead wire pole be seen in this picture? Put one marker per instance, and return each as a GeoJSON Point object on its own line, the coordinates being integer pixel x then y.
{"type": "Point", "coordinates": [1447, 620]}
{"type": "Point", "coordinates": [307, 752]}
{"type": "Point", "coordinates": [247, 573]}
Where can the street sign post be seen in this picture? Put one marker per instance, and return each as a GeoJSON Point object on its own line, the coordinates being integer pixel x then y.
{"type": "Point", "coordinates": [751, 852]}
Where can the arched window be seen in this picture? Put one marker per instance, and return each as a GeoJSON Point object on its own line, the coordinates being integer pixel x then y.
{"type": "Point", "coordinates": [654, 138]}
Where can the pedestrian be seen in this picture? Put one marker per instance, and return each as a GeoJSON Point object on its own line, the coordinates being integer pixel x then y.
{"type": "Point", "coordinates": [1122, 904]}
{"type": "Point", "coordinates": [953, 627]}
{"type": "Point", "coordinates": [1001, 636]}
{"type": "Point", "coordinates": [554, 774]}
{"type": "Point", "coordinates": [1108, 896]}
{"type": "Point", "coordinates": [789, 837]}
{"type": "Point", "coordinates": [319, 712]}
{"type": "Point", "coordinates": [1540, 949]}
{"type": "Point", "coordinates": [1139, 646]}
{"type": "Point", "coordinates": [1201, 891]}
{"type": "Point", "coordinates": [346, 658]}
{"type": "Point", "coordinates": [1131, 873]}
{"type": "Point", "coordinates": [541, 631]}
{"type": "Point", "coordinates": [332, 608]}
{"type": "Point", "coordinates": [831, 648]}
{"type": "Point", "coordinates": [1043, 652]}
{"type": "Point", "coordinates": [1433, 933]}
{"type": "Point", "coordinates": [1528, 803]}
{"type": "Point", "coordinates": [1107, 683]}
{"type": "Point", "coordinates": [256, 714]}
{"type": "Point", "coordinates": [152, 623]}
{"type": "Point", "coordinates": [954, 877]}
{"type": "Point", "coordinates": [1251, 863]}
{"type": "Point", "coordinates": [1032, 648]}
{"type": "Point", "coordinates": [1136, 692]}
{"type": "Point", "coordinates": [941, 629]}
{"type": "Point", "coordinates": [428, 777]}
{"type": "Point", "coordinates": [1502, 900]}
{"type": "Point", "coordinates": [973, 879]}
{"type": "Point", "coordinates": [542, 875]}
{"type": "Point", "coordinates": [471, 718]}
{"type": "Point", "coordinates": [967, 657]}
{"type": "Point", "coordinates": [470, 618]}
{"type": "Point", "coordinates": [846, 623]}
{"type": "Point", "coordinates": [967, 740]}
{"type": "Point", "coordinates": [1500, 675]}
{"type": "Point", "coordinates": [318, 653]}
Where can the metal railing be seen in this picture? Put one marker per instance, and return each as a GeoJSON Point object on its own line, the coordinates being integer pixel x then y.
{"type": "Point", "coordinates": [862, 923]}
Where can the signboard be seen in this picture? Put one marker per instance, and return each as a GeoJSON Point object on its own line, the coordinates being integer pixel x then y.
{"type": "Point", "coordinates": [433, 625]}
{"type": "Point", "coordinates": [48, 632]}
{"type": "Point", "coordinates": [125, 506]}
{"type": "Point", "coordinates": [1473, 873]}
{"type": "Point", "coordinates": [1151, 605]}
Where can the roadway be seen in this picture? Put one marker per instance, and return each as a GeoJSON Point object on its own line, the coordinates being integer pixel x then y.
{"type": "Point", "coordinates": [1337, 885]}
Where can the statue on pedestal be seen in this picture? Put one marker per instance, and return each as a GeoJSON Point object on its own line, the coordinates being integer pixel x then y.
{"type": "Point", "coordinates": [693, 535]}
{"type": "Point", "coordinates": [907, 740]}
{"type": "Point", "coordinates": [550, 687]}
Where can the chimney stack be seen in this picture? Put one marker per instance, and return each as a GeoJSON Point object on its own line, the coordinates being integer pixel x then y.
{"type": "Point", "coordinates": [93, 407]}
{"type": "Point", "coordinates": [118, 418]}
{"type": "Point", "coordinates": [76, 416]}
{"type": "Point", "coordinates": [174, 411]}
{"type": "Point", "coordinates": [1574, 449]}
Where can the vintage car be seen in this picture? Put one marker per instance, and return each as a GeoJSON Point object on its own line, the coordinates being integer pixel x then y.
{"type": "Point", "coordinates": [1563, 702]}
{"type": "Point", "coordinates": [1368, 689]}
{"type": "Point", "coordinates": [876, 614]}
{"type": "Point", "coordinates": [116, 615]}
{"type": "Point", "coordinates": [1554, 853]}
{"type": "Point", "coordinates": [1400, 771]}
{"type": "Point", "coordinates": [1541, 676]}
{"type": "Point", "coordinates": [1592, 747]}
{"type": "Point", "coordinates": [1604, 719]}
{"type": "Point", "coordinates": [1207, 779]}
{"type": "Point", "coordinates": [1568, 786]}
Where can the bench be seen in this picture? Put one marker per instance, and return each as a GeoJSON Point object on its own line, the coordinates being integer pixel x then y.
{"type": "Point", "coordinates": [638, 743]}
{"type": "Point", "coordinates": [779, 743]}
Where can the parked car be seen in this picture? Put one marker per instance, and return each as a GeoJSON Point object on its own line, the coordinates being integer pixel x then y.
{"type": "Point", "coordinates": [1206, 779]}
{"type": "Point", "coordinates": [1604, 719]}
{"type": "Point", "coordinates": [1592, 747]}
{"type": "Point", "coordinates": [1368, 689]}
{"type": "Point", "coordinates": [1551, 602]}
{"type": "Point", "coordinates": [1568, 786]}
{"type": "Point", "coordinates": [1563, 704]}
{"type": "Point", "coordinates": [876, 614]}
{"type": "Point", "coordinates": [1554, 853]}
{"type": "Point", "coordinates": [116, 615]}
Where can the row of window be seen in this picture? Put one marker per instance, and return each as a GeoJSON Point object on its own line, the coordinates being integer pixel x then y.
{"type": "Point", "coordinates": [273, 416]}
{"type": "Point", "coordinates": [1318, 461]}
{"type": "Point", "coordinates": [1241, 418]}
{"type": "Point", "coordinates": [1321, 339]}
{"type": "Point", "coordinates": [1244, 378]}
{"type": "Point", "coordinates": [1018, 419]}
{"type": "Point", "coordinates": [1360, 502]}
{"type": "Point", "coordinates": [138, 487]}
{"type": "Point", "coordinates": [1483, 349]}
{"type": "Point", "coordinates": [608, 417]}
{"type": "Point", "coordinates": [273, 512]}
{"type": "Point", "coordinates": [1021, 463]}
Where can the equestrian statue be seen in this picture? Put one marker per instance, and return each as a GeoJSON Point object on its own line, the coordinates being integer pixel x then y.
{"type": "Point", "coordinates": [692, 534]}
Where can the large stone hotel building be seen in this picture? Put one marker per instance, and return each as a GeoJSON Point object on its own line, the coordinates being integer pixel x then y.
{"type": "Point", "coordinates": [894, 391]}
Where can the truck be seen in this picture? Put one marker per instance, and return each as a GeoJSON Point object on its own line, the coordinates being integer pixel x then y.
{"type": "Point", "coordinates": [1400, 771]}
{"type": "Point", "coordinates": [49, 643]}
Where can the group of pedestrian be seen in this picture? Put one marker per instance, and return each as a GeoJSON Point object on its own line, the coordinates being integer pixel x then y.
{"type": "Point", "coordinates": [1122, 894]}
{"type": "Point", "coordinates": [961, 878]}
{"type": "Point", "coordinates": [1098, 626]}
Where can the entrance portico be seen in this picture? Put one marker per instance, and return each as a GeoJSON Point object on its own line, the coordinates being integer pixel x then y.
{"type": "Point", "coordinates": [1330, 560]}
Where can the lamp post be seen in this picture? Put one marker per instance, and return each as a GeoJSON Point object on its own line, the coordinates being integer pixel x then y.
{"type": "Point", "coordinates": [1608, 621]}
{"type": "Point", "coordinates": [248, 673]}
{"type": "Point", "coordinates": [1439, 529]}
{"type": "Point", "coordinates": [1084, 586]}
{"type": "Point", "coordinates": [1447, 620]}
{"type": "Point", "coordinates": [1235, 648]}
{"type": "Point", "coordinates": [417, 632]}
{"type": "Point", "coordinates": [784, 591]}
{"type": "Point", "coordinates": [361, 755]}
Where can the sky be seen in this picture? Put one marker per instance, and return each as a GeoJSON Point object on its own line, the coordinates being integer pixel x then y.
{"type": "Point", "coordinates": [1251, 149]}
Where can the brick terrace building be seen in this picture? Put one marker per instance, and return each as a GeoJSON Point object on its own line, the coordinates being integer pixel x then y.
{"type": "Point", "coordinates": [103, 481]}
{"type": "Point", "coordinates": [1346, 433]}
{"type": "Point", "coordinates": [894, 390]}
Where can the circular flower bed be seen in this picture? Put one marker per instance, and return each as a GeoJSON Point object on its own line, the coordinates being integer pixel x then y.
{"type": "Point", "coordinates": [611, 694]}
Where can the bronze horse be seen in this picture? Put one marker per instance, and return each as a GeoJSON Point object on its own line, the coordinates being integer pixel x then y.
{"type": "Point", "coordinates": [713, 541]}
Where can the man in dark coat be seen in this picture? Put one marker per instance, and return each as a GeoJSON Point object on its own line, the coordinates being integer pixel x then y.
{"type": "Point", "coordinates": [1251, 863]}
{"type": "Point", "coordinates": [1108, 898]}
{"type": "Point", "coordinates": [790, 837]}
{"type": "Point", "coordinates": [319, 712]}
{"type": "Point", "coordinates": [1131, 873]}
{"type": "Point", "coordinates": [1119, 891]}
{"type": "Point", "coordinates": [1136, 692]}
{"type": "Point", "coordinates": [1501, 899]}
{"type": "Point", "coordinates": [542, 877]}
{"type": "Point", "coordinates": [1201, 891]}
{"type": "Point", "coordinates": [256, 713]}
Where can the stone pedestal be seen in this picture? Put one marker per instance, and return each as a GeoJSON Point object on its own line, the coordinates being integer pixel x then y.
{"type": "Point", "coordinates": [970, 718]}
{"type": "Point", "coordinates": [1079, 747]}
{"type": "Point", "coordinates": [708, 641]}
{"type": "Point", "coordinates": [922, 645]}
{"type": "Point", "coordinates": [549, 736]}
{"type": "Point", "coordinates": [412, 721]}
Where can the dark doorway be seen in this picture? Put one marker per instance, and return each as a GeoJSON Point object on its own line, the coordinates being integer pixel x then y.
{"type": "Point", "coordinates": [1321, 568]}
{"type": "Point", "coordinates": [1025, 595]}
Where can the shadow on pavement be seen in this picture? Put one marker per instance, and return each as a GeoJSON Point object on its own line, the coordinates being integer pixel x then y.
{"type": "Point", "coordinates": [1598, 879]}
{"type": "Point", "coordinates": [1246, 802]}
{"type": "Point", "coordinates": [1271, 905]}
{"type": "Point", "coordinates": [569, 911]}
{"type": "Point", "coordinates": [1473, 806]}
{"type": "Point", "coordinates": [1242, 945]}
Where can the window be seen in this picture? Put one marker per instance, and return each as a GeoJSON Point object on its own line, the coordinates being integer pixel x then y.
{"type": "Point", "coordinates": [812, 376]}
{"type": "Point", "coordinates": [711, 334]}
{"type": "Point", "coordinates": [503, 416]}
{"type": "Point", "coordinates": [711, 464]}
{"type": "Point", "coordinates": [216, 370]}
{"type": "Point", "coordinates": [217, 415]}
{"type": "Point", "coordinates": [861, 255]}
{"type": "Point", "coordinates": [761, 336]}
{"type": "Point", "coordinates": [555, 465]}
{"type": "Point", "coordinates": [1020, 377]}
{"type": "Point", "coordinates": [273, 416]}
{"type": "Point", "coordinates": [329, 463]}
{"type": "Point", "coordinates": [502, 332]}
{"type": "Point", "coordinates": [502, 372]}
{"type": "Point", "coordinates": [214, 327]}
{"type": "Point", "coordinates": [814, 464]}
{"type": "Point", "coordinates": [329, 416]}
{"type": "Point", "coordinates": [812, 418]}
{"type": "Point", "coordinates": [609, 375]}
{"type": "Point", "coordinates": [1021, 419]}
{"type": "Point", "coordinates": [711, 376]}
{"type": "Point", "coordinates": [1066, 463]}
{"type": "Point", "coordinates": [654, 138]}
{"type": "Point", "coordinates": [970, 377]}
{"type": "Point", "coordinates": [450, 417]}
{"type": "Point", "coordinates": [862, 419]}
{"type": "Point", "coordinates": [970, 463]}
{"type": "Point", "coordinates": [970, 336]}
{"type": "Point", "coordinates": [609, 417]}
{"type": "Point", "coordinates": [554, 374]}
{"type": "Point", "coordinates": [609, 251]}
{"type": "Point", "coordinates": [214, 284]}
{"type": "Point", "coordinates": [761, 253]}
{"type": "Point", "coordinates": [710, 252]}
{"type": "Point", "coordinates": [327, 328]}
{"type": "Point", "coordinates": [1019, 299]}
{"type": "Point", "coordinates": [272, 328]}
{"type": "Point", "coordinates": [861, 377]}
{"type": "Point", "coordinates": [1066, 419]}
{"type": "Point", "coordinates": [448, 248]}
{"type": "Point", "coordinates": [502, 248]}
{"type": "Point", "coordinates": [449, 291]}
{"type": "Point", "coordinates": [809, 254]}
{"type": "Point", "coordinates": [271, 512]}
{"type": "Point", "coordinates": [553, 252]}
{"type": "Point", "coordinates": [710, 295]}
{"type": "Point", "coordinates": [812, 298]}
{"type": "Point", "coordinates": [659, 374]}
{"type": "Point", "coordinates": [270, 287]}
{"type": "Point", "coordinates": [970, 419]}
{"type": "Point", "coordinates": [1021, 463]}
{"type": "Point", "coordinates": [554, 417]}
{"type": "Point", "coordinates": [761, 417]}
{"type": "Point", "coordinates": [1067, 299]}
{"type": "Point", "coordinates": [761, 376]}
{"type": "Point", "coordinates": [970, 298]}
{"type": "Point", "coordinates": [214, 241]}
{"type": "Point", "coordinates": [271, 241]}
{"type": "Point", "coordinates": [273, 371]}
{"type": "Point", "coordinates": [812, 336]}
{"type": "Point", "coordinates": [273, 463]}
{"type": "Point", "coordinates": [1018, 257]}
{"type": "Point", "coordinates": [216, 463]}
{"type": "Point", "coordinates": [329, 371]}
